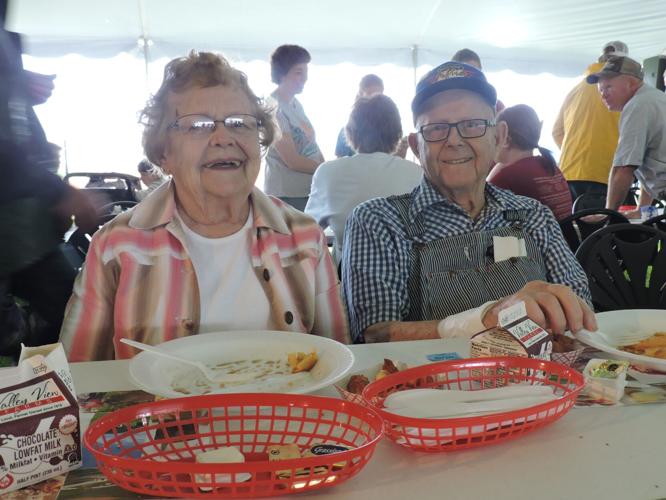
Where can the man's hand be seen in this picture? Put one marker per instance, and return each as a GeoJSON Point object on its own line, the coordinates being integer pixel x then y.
{"type": "Point", "coordinates": [40, 87]}
{"type": "Point", "coordinates": [84, 209]}
{"type": "Point", "coordinates": [554, 307]}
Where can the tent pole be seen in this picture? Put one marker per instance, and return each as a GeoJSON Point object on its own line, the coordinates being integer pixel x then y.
{"type": "Point", "coordinates": [415, 62]}
{"type": "Point", "coordinates": [143, 40]}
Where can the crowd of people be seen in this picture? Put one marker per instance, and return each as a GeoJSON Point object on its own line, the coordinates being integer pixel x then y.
{"type": "Point", "coordinates": [425, 249]}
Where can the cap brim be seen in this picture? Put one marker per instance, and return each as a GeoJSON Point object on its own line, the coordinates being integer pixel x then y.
{"type": "Point", "coordinates": [595, 77]}
{"type": "Point", "coordinates": [484, 89]}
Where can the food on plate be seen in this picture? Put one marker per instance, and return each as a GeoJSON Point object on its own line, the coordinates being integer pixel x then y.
{"type": "Point", "coordinates": [292, 451]}
{"type": "Point", "coordinates": [358, 382]}
{"type": "Point", "coordinates": [192, 381]}
{"type": "Point", "coordinates": [301, 362]}
{"type": "Point", "coordinates": [654, 346]}
{"type": "Point", "coordinates": [224, 455]}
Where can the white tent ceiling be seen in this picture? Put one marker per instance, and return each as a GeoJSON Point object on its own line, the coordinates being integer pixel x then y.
{"type": "Point", "coordinates": [528, 36]}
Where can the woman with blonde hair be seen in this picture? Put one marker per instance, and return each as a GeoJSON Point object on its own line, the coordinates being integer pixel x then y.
{"type": "Point", "coordinates": [207, 251]}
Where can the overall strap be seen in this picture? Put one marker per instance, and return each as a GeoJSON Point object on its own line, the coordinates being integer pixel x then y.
{"type": "Point", "coordinates": [413, 229]}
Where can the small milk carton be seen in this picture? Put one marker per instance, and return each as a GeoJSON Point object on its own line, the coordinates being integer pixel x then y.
{"type": "Point", "coordinates": [39, 419]}
{"type": "Point", "coordinates": [517, 335]}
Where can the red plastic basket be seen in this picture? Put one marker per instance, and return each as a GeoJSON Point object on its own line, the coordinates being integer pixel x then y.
{"type": "Point", "coordinates": [151, 448]}
{"type": "Point", "coordinates": [429, 434]}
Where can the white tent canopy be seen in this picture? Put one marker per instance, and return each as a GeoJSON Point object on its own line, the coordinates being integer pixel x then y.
{"type": "Point", "coordinates": [526, 36]}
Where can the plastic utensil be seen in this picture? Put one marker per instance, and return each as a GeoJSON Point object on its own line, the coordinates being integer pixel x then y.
{"type": "Point", "coordinates": [448, 409]}
{"type": "Point", "coordinates": [411, 397]}
{"type": "Point", "coordinates": [437, 403]}
{"type": "Point", "coordinates": [209, 373]}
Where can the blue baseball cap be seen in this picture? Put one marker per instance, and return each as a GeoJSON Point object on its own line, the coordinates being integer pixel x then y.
{"type": "Point", "coordinates": [449, 76]}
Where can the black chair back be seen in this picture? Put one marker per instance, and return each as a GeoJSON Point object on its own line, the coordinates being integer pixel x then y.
{"type": "Point", "coordinates": [588, 200]}
{"type": "Point", "coordinates": [658, 222]}
{"type": "Point", "coordinates": [575, 228]}
{"type": "Point", "coordinates": [626, 267]}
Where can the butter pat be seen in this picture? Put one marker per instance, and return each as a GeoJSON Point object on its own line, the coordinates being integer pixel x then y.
{"type": "Point", "coordinates": [605, 379]}
{"type": "Point", "coordinates": [225, 455]}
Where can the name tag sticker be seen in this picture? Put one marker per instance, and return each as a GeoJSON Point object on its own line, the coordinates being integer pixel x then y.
{"type": "Point", "coordinates": [505, 247]}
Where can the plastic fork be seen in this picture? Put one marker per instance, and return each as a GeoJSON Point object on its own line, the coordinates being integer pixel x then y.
{"type": "Point", "coordinates": [209, 373]}
{"type": "Point", "coordinates": [620, 340]}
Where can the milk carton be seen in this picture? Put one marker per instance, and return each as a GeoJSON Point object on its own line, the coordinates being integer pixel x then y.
{"type": "Point", "coordinates": [39, 419]}
{"type": "Point", "coordinates": [517, 335]}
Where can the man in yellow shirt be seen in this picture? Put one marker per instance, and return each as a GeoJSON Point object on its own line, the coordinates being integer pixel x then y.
{"type": "Point", "coordinates": [587, 132]}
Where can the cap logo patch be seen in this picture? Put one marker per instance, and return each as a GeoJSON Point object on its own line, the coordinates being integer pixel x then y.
{"type": "Point", "coordinates": [452, 72]}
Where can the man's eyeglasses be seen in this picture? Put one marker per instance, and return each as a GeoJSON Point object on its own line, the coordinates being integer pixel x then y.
{"type": "Point", "coordinates": [467, 129]}
{"type": "Point", "coordinates": [202, 125]}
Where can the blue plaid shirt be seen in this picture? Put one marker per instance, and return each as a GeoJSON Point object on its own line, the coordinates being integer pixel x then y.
{"type": "Point", "coordinates": [377, 252]}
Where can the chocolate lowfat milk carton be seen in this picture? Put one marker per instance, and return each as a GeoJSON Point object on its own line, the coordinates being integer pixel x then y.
{"type": "Point", "coordinates": [40, 435]}
{"type": "Point", "coordinates": [517, 335]}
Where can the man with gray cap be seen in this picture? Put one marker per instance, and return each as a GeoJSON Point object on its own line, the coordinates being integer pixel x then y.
{"type": "Point", "coordinates": [641, 150]}
{"type": "Point", "coordinates": [587, 132]}
{"type": "Point", "coordinates": [444, 259]}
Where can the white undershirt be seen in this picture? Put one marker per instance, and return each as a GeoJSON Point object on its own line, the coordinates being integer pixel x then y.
{"type": "Point", "coordinates": [230, 293]}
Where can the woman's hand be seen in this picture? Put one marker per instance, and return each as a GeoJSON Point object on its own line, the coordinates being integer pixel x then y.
{"type": "Point", "coordinates": [551, 306]}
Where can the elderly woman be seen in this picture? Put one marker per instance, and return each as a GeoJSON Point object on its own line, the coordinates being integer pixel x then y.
{"type": "Point", "coordinates": [374, 130]}
{"type": "Point", "coordinates": [518, 170]}
{"type": "Point", "coordinates": [207, 251]}
{"type": "Point", "coordinates": [295, 156]}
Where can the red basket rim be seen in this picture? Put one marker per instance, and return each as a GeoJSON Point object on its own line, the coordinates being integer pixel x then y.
{"type": "Point", "coordinates": [393, 379]}
{"type": "Point", "coordinates": [97, 428]}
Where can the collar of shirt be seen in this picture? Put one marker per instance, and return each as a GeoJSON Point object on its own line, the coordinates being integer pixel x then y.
{"type": "Point", "coordinates": [425, 195]}
{"type": "Point", "coordinates": [160, 208]}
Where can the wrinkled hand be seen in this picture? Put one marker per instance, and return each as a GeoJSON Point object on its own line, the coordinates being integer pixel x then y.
{"type": "Point", "coordinates": [553, 307]}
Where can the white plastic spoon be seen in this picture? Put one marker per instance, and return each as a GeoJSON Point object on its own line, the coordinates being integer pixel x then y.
{"type": "Point", "coordinates": [209, 373]}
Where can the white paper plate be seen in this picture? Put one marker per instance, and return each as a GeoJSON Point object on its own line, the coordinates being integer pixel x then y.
{"type": "Point", "coordinates": [614, 324]}
{"type": "Point", "coordinates": [155, 374]}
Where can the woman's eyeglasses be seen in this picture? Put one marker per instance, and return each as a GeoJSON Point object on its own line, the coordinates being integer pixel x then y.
{"type": "Point", "coordinates": [202, 125]}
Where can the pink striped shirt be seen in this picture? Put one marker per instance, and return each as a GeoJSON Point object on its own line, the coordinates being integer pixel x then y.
{"type": "Point", "coordinates": [138, 281]}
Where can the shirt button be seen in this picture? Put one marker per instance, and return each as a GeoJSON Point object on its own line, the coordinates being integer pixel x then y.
{"type": "Point", "coordinates": [267, 275]}
{"type": "Point", "coordinates": [188, 324]}
{"type": "Point", "coordinates": [289, 317]}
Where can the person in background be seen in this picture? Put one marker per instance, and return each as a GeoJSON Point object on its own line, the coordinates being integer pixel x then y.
{"type": "Point", "coordinates": [295, 156]}
{"type": "Point", "coordinates": [36, 208]}
{"type": "Point", "coordinates": [151, 176]}
{"type": "Point", "coordinates": [444, 259]}
{"type": "Point", "coordinates": [374, 130]}
{"type": "Point", "coordinates": [641, 149]}
{"type": "Point", "coordinates": [468, 56]}
{"type": "Point", "coordinates": [206, 251]}
{"type": "Point", "coordinates": [519, 171]}
{"type": "Point", "coordinates": [587, 132]}
{"type": "Point", "coordinates": [368, 86]}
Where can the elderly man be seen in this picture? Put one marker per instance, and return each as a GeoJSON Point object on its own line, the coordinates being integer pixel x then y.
{"type": "Point", "coordinates": [641, 149]}
{"type": "Point", "coordinates": [446, 258]}
{"type": "Point", "coordinates": [587, 132]}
